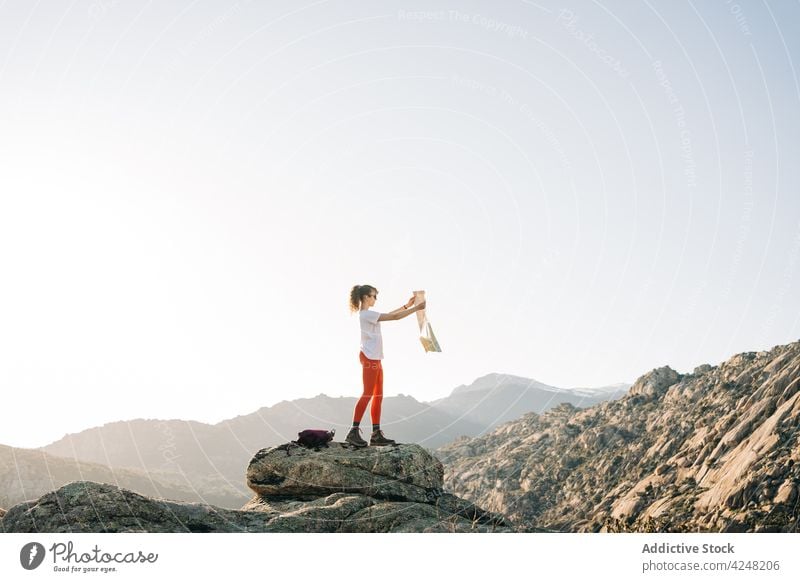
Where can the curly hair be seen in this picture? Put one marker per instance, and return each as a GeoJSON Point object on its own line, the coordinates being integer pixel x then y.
{"type": "Point", "coordinates": [357, 293]}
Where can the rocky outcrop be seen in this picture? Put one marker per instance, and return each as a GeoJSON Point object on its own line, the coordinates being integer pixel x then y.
{"type": "Point", "coordinates": [655, 383]}
{"type": "Point", "coordinates": [86, 506]}
{"type": "Point", "coordinates": [404, 472]}
{"type": "Point", "coordinates": [715, 450]}
{"type": "Point", "coordinates": [334, 489]}
{"type": "Point", "coordinates": [395, 489]}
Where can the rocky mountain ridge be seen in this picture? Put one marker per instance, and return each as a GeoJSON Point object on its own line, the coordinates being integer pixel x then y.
{"type": "Point", "coordinates": [338, 488]}
{"type": "Point", "coordinates": [714, 450]}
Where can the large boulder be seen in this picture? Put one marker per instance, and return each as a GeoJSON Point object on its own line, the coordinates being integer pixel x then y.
{"type": "Point", "coordinates": [400, 473]}
{"type": "Point", "coordinates": [655, 383]}
{"type": "Point", "coordinates": [343, 488]}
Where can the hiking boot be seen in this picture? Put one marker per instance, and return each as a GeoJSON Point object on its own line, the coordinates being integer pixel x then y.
{"type": "Point", "coordinates": [354, 438]}
{"type": "Point", "coordinates": [378, 440]}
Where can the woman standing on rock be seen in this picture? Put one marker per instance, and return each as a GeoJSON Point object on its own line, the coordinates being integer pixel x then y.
{"type": "Point", "coordinates": [362, 297]}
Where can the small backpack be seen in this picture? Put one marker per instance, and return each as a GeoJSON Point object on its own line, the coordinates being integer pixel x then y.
{"type": "Point", "coordinates": [314, 438]}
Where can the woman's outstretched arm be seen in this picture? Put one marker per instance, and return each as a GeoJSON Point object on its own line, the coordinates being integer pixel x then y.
{"type": "Point", "coordinates": [395, 315]}
{"type": "Point", "coordinates": [407, 305]}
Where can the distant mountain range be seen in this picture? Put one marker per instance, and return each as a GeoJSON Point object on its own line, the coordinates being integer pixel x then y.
{"type": "Point", "coordinates": [29, 473]}
{"type": "Point", "coordinates": [497, 398]}
{"type": "Point", "coordinates": [193, 460]}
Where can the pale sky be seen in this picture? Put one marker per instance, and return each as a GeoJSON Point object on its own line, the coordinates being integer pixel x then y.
{"type": "Point", "coordinates": [188, 191]}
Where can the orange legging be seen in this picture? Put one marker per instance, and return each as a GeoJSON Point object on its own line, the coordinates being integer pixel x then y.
{"type": "Point", "coordinates": [373, 388]}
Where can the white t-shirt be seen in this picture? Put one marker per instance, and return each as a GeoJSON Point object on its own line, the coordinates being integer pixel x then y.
{"type": "Point", "coordinates": [371, 339]}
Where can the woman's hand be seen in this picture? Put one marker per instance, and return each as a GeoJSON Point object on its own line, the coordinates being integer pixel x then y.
{"type": "Point", "coordinates": [410, 303]}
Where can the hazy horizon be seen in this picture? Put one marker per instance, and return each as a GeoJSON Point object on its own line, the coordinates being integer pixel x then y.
{"type": "Point", "coordinates": [188, 191]}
